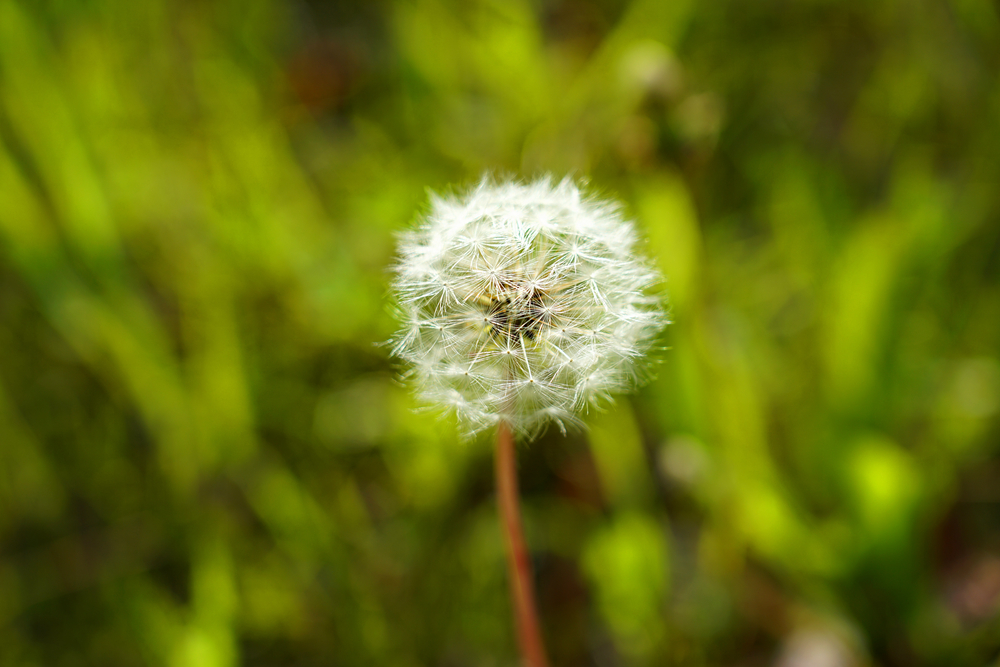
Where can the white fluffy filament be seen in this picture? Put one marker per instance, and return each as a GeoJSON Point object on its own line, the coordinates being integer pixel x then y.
{"type": "Point", "coordinates": [523, 302]}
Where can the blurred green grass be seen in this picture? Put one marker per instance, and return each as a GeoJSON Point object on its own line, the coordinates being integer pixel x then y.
{"type": "Point", "coordinates": [206, 461]}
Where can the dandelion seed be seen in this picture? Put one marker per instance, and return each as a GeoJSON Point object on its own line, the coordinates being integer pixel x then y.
{"type": "Point", "coordinates": [535, 292]}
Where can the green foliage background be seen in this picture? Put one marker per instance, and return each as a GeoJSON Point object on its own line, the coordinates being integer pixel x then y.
{"type": "Point", "coordinates": [205, 460]}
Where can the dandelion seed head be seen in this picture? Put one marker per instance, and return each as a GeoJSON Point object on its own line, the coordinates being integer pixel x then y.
{"type": "Point", "coordinates": [523, 302]}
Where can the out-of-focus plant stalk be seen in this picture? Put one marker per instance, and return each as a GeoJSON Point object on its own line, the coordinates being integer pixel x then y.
{"type": "Point", "coordinates": [518, 565]}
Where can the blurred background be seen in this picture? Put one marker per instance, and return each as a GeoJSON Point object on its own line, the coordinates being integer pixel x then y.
{"type": "Point", "coordinates": [206, 459]}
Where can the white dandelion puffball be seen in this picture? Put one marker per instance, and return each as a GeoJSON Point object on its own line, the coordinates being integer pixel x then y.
{"type": "Point", "coordinates": [525, 303]}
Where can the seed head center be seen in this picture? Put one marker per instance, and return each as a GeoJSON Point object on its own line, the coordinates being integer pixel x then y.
{"type": "Point", "coordinates": [516, 312]}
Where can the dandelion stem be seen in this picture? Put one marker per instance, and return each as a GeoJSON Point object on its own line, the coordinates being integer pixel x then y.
{"type": "Point", "coordinates": [518, 566]}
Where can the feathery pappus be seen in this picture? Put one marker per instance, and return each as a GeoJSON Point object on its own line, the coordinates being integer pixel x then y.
{"type": "Point", "coordinates": [523, 302]}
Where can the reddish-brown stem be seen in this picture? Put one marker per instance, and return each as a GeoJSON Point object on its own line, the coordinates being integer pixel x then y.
{"type": "Point", "coordinates": [518, 566]}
